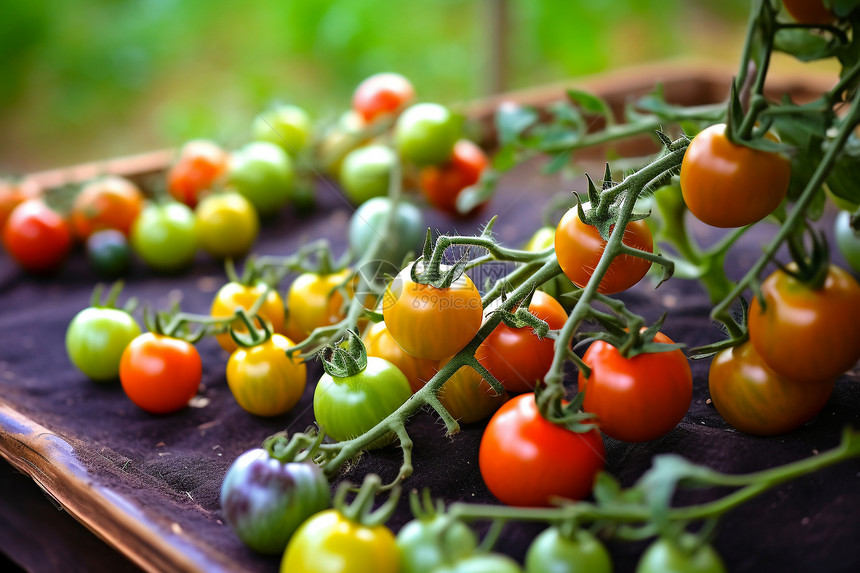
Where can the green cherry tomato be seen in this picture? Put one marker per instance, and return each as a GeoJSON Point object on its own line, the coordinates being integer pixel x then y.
{"type": "Point", "coordinates": [368, 222]}
{"type": "Point", "coordinates": [428, 543]}
{"type": "Point", "coordinates": [264, 380]}
{"type": "Point", "coordinates": [109, 252]}
{"type": "Point", "coordinates": [288, 126]}
{"type": "Point", "coordinates": [847, 241]}
{"type": "Point", "coordinates": [484, 563]}
{"type": "Point", "coordinates": [425, 134]}
{"type": "Point", "coordinates": [553, 552]}
{"type": "Point", "coordinates": [328, 542]}
{"type": "Point", "coordinates": [265, 500]}
{"type": "Point", "coordinates": [96, 338]}
{"type": "Point", "coordinates": [165, 236]}
{"type": "Point", "coordinates": [666, 556]}
{"type": "Point", "coordinates": [227, 225]}
{"type": "Point", "coordinates": [263, 172]}
{"type": "Point", "coordinates": [366, 172]}
{"type": "Point", "coordinates": [347, 407]}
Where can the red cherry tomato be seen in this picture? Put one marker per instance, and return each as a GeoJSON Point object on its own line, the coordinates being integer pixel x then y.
{"type": "Point", "coordinates": [442, 184]}
{"type": "Point", "coordinates": [579, 247]}
{"type": "Point", "coordinates": [201, 163]}
{"type": "Point", "coordinates": [37, 237]}
{"type": "Point", "coordinates": [160, 374]}
{"type": "Point", "coordinates": [13, 193]}
{"type": "Point", "coordinates": [381, 94]}
{"type": "Point", "coordinates": [526, 460]}
{"type": "Point", "coordinates": [639, 398]}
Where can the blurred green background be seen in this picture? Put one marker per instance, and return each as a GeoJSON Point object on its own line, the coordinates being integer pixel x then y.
{"type": "Point", "coordinates": [92, 79]}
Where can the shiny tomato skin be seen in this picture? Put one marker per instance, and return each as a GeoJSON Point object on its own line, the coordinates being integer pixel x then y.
{"type": "Point", "coordinates": [442, 184]}
{"type": "Point", "coordinates": [425, 134]}
{"type": "Point", "coordinates": [806, 334]}
{"type": "Point", "coordinates": [233, 295]}
{"type": "Point", "coordinates": [520, 462]}
{"type": "Point", "coordinates": [328, 542]}
{"type": "Point", "coordinates": [756, 400]}
{"type": "Point", "coordinates": [428, 542]}
{"type": "Point", "coordinates": [728, 185]}
{"type": "Point", "coordinates": [264, 380]}
{"type": "Point", "coordinates": [552, 551]}
{"type": "Point", "coordinates": [313, 301]}
{"type": "Point", "coordinates": [264, 173]}
{"type": "Point", "coordinates": [196, 171]}
{"type": "Point", "coordinates": [37, 237]}
{"type": "Point", "coordinates": [579, 247]}
{"type": "Point", "coordinates": [160, 374]}
{"type": "Point", "coordinates": [430, 322]}
{"type": "Point", "coordinates": [96, 338]}
{"type": "Point", "coordinates": [482, 563]}
{"type": "Point", "coordinates": [640, 398]}
{"type": "Point", "coordinates": [666, 556]}
{"type": "Point", "coordinates": [382, 94]}
{"type": "Point", "coordinates": [379, 342]}
{"type": "Point", "coordinates": [227, 225]}
{"type": "Point", "coordinates": [164, 236]}
{"type": "Point", "coordinates": [516, 356]}
{"type": "Point", "coordinates": [808, 11]}
{"type": "Point", "coordinates": [109, 202]}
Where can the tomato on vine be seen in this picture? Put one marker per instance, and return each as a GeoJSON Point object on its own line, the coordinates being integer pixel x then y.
{"type": "Point", "coordinates": [109, 202]}
{"type": "Point", "coordinates": [433, 539]}
{"type": "Point", "coordinates": [37, 237]}
{"type": "Point", "coordinates": [668, 556]}
{"type": "Point", "coordinates": [516, 357]}
{"type": "Point", "coordinates": [314, 300]}
{"type": "Point", "coordinates": [520, 447]}
{"type": "Point", "coordinates": [482, 563]}
{"type": "Point", "coordinates": [442, 184]}
{"type": "Point", "coordinates": [640, 398]}
{"type": "Point", "coordinates": [805, 333]}
{"type": "Point", "coordinates": [159, 373]}
{"type": "Point", "coordinates": [381, 94]}
{"type": "Point", "coordinates": [468, 397]}
{"type": "Point", "coordinates": [754, 399]}
{"type": "Point", "coordinates": [431, 322]}
{"type": "Point", "coordinates": [579, 247]}
{"type": "Point", "coordinates": [379, 342]}
{"type": "Point", "coordinates": [725, 184]}
{"type": "Point", "coordinates": [196, 171]}
{"type": "Point", "coordinates": [563, 552]}
{"type": "Point", "coordinates": [236, 294]}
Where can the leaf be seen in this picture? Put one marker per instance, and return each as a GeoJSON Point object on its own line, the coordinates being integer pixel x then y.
{"type": "Point", "coordinates": [505, 158]}
{"type": "Point", "coordinates": [606, 488]}
{"type": "Point", "coordinates": [557, 163]}
{"type": "Point", "coordinates": [512, 120]}
{"type": "Point", "coordinates": [803, 44]}
{"type": "Point", "coordinates": [592, 104]}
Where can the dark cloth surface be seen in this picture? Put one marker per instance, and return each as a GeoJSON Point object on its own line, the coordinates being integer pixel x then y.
{"type": "Point", "coordinates": [173, 465]}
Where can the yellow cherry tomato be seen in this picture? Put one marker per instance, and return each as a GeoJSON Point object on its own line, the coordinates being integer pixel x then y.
{"type": "Point", "coordinates": [314, 301]}
{"type": "Point", "coordinates": [263, 380]}
{"type": "Point", "coordinates": [234, 295]}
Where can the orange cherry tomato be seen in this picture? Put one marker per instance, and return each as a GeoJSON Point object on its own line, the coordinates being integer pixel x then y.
{"type": "Point", "coordinates": [442, 184]}
{"type": "Point", "coordinates": [160, 374]}
{"type": "Point", "coordinates": [109, 202]}
{"type": "Point", "coordinates": [579, 247]}
{"type": "Point", "coordinates": [379, 342]}
{"type": "Point", "coordinates": [201, 163]}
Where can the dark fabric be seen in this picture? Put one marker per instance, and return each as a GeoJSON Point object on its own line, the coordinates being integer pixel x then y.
{"type": "Point", "coordinates": [174, 464]}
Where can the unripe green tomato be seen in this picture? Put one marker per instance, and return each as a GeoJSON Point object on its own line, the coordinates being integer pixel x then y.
{"type": "Point", "coordinates": [368, 222]}
{"type": "Point", "coordinates": [552, 552]}
{"type": "Point", "coordinates": [666, 556]}
{"type": "Point", "coordinates": [483, 563]}
{"type": "Point", "coordinates": [288, 126]}
{"type": "Point", "coordinates": [366, 172]}
{"type": "Point", "coordinates": [263, 172]}
{"type": "Point", "coordinates": [96, 338]}
{"type": "Point", "coordinates": [847, 241]}
{"type": "Point", "coordinates": [425, 134]}
{"type": "Point", "coordinates": [428, 543]}
{"type": "Point", "coordinates": [164, 235]}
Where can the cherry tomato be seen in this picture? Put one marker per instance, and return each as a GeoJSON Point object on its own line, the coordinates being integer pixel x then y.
{"type": "Point", "coordinates": [379, 342]}
{"type": "Point", "coordinates": [37, 237]}
{"type": "Point", "coordinates": [109, 202]}
{"type": "Point", "coordinates": [482, 563]}
{"type": "Point", "coordinates": [366, 172]}
{"type": "Point", "coordinates": [109, 252]}
{"type": "Point", "coordinates": [346, 407]}
{"type": "Point", "coordinates": [13, 193]}
{"type": "Point", "coordinates": [639, 398]}
{"type": "Point", "coordinates": [328, 542]}
{"type": "Point", "coordinates": [264, 380]}
{"type": "Point", "coordinates": [729, 185]}
{"type": "Point", "coordinates": [579, 247]}
{"type": "Point", "coordinates": [96, 338]}
{"type": "Point", "coordinates": [553, 551]}
{"type": "Point", "coordinates": [160, 374]}
{"type": "Point", "coordinates": [468, 397]}
{"type": "Point", "coordinates": [381, 94]}
{"type": "Point", "coordinates": [808, 11]}
{"type": "Point", "coordinates": [288, 126]}
{"type": "Point", "coordinates": [368, 222]}
{"type": "Point", "coordinates": [560, 285]}
{"type": "Point", "coordinates": [756, 400]}
{"type": "Point", "coordinates": [227, 225]}
{"type": "Point", "coordinates": [234, 295]}
{"type": "Point", "coordinates": [805, 334]}
{"type": "Point", "coordinates": [313, 301]}
{"type": "Point", "coordinates": [427, 543]}
{"type": "Point", "coordinates": [165, 236]}
{"type": "Point", "coordinates": [516, 356]}
{"type": "Point", "coordinates": [197, 170]}
{"type": "Point", "coordinates": [666, 556]}
{"type": "Point", "coordinates": [425, 134]}
{"type": "Point", "coordinates": [263, 172]}
{"type": "Point", "coordinates": [520, 447]}
{"type": "Point", "coordinates": [265, 500]}
{"type": "Point", "coordinates": [442, 184]}
{"type": "Point", "coordinates": [430, 322]}
{"type": "Point", "coordinates": [847, 241]}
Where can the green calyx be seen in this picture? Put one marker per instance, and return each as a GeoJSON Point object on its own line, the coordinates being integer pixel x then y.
{"type": "Point", "coordinates": [340, 362]}
{"type": "Point", "coordinates": [110, 300]}
{"type": "Point", "coordinates": [256, 335]}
